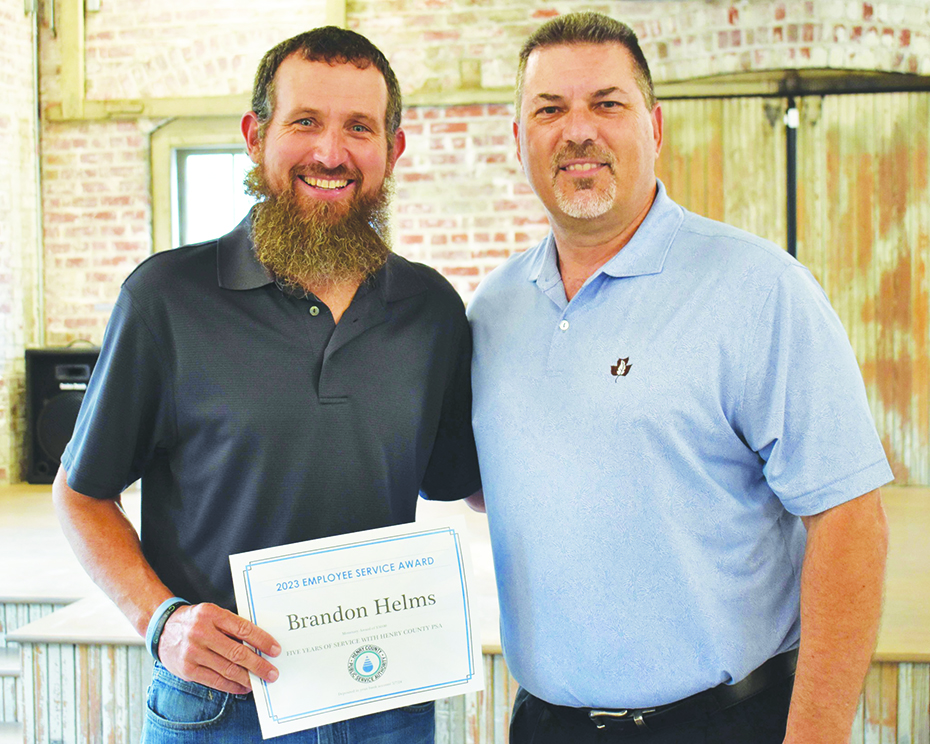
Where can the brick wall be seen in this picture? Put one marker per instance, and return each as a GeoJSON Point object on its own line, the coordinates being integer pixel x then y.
{"type": "Point", "coordinates": [462, 201]}
{"type": "Point", "coordinates": [17, 224]}
{"type": "Point", "coordinates": [97, 221]}
{"type": "Point", "coordinates": [175, 48]}
{"type": "Point", "coordinates": [463, 204]}
{"type": "Point", "coordinates": [438, 45]}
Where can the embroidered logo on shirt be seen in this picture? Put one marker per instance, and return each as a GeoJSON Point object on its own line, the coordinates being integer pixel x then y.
{"type": "Point", "coordinates": [621, 368]}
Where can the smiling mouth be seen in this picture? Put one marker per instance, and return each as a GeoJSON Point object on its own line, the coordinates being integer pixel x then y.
{"type": "Point", "coordinates": [327, 184]}
{"type": "Point", "coordinates": [582, 167]}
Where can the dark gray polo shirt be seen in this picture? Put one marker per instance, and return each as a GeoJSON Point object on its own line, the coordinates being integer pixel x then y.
{"type": "Point", "coordinates": [254, 420]}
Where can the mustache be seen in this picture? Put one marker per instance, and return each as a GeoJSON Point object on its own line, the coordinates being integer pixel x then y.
{"type": "Point", "coordinates": [572, 151]}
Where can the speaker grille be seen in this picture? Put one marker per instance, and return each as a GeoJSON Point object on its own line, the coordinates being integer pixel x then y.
{"type": "Point", "coordinates": [55, 383]}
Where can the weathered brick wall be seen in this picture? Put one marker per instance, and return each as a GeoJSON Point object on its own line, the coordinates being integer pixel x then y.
{"type": "Point", "coordinates": [18, 212]}
{"type": "Point", "coordinates": [441, 45]}
{"type": "Point", "coordinates": [170, 48]}
{"type": "Point", "coordinates": [463, 203]}
{"type": "Point", "coordinates": [97, 221]}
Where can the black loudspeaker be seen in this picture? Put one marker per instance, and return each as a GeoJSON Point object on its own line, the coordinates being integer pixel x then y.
{"type": "Point", "coordinates": [55, 383]}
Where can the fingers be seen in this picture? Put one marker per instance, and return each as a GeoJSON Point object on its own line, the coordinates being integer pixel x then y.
{"type": "Point", "coordinates": [206, 644]}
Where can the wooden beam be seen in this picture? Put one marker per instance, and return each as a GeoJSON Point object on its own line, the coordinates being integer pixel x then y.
{"type": "Point", "coordinates": [156, 108]}
{"type": "Point", "coordinates": [71, 38]}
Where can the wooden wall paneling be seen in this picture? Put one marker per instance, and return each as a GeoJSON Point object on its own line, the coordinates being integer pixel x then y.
{"type": "Point", "coordinates": [502, 703]}
{"type": "Point", "coordinates": [55, 709]}
{"type": "Point", "coordinates": [82, 694]}
{"type": "Point", "coordinates": [95, 692]}
{"type": "Point", "coordinates": [450, 720]}
{"type": "Point", "coordinates": [27, 711]}
{"type": "Point", "coordinates": [914, 704]}
{"type": "Point", "coordinates": [857, 735]}
{"type": "Point", "coordinates": [140, 674]}
{"type": "Point", "coordinates": [14, 615]}
{"type": "Point", "coordinates": [880, 704]}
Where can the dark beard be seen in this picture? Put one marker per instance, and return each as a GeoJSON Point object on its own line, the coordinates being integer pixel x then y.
{"type": "Point", "coordinates": [308, 244]}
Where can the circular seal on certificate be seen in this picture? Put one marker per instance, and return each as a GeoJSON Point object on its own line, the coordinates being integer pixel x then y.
{"type": "Point", "coordinates": [367, 663]}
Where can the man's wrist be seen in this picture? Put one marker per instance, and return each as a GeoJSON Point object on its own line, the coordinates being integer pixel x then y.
{"type": "Point", "coordinates": [158, 621]}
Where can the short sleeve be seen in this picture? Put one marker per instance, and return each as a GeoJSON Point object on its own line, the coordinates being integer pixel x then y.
{"type": "Point", "coordinates": [803, 408]}
{"type": "Point", "coordinates": [127, 414]}
{"type": "Point", "coordinates": [452, 472]}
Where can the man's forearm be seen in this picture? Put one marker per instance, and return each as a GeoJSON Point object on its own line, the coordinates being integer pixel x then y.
{"type": "Point", "coordinates": [107, 546]}
{"type": "Point", "coordinates": [203, 643]}
{"type": "Point", "coordinates": [841, 597]}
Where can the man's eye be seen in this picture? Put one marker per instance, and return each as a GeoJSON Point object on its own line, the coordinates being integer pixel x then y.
{"type": "Point", "coordinates": [548, 110]}
{"type": "Point", "coordinates": [359, 128]}
{"type": "Point", "coordinates": [609, 104]}
{"type": "Point", "coordinates": [305, 122]}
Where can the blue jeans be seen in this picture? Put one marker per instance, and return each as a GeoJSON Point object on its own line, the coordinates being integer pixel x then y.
{"type": "Point", "coordinates": [180, 712]}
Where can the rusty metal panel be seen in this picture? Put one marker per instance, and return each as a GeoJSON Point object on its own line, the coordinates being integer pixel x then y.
{"type": "Point", "coordinates": [864, 230]}
{"type": "Point", "coordinates": [725, 159]}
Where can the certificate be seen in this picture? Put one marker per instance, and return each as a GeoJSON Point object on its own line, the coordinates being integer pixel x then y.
{"type": "Point", "coordinates": [366, 622]}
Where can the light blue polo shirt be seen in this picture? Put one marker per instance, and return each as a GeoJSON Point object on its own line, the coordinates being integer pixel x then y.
{"type": "Point", "coordinates": [645, 449]}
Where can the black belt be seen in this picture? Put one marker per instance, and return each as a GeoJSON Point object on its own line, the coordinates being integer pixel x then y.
{"type": "Point", "coordinates": [777, 669]}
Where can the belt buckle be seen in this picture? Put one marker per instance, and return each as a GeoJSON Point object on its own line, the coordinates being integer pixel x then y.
{"type": "Point", "coordinates": [610, 714]}
{"type": "Point", "coordinates": [621, 715]}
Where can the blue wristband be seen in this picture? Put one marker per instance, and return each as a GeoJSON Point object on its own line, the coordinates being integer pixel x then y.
{"type": "Point", "coordinates": [158, 621]}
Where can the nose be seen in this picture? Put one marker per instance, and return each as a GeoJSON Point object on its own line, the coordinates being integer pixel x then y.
{"type": "Point", "coordinates": [579, 126]}
{"type": "Point", "coordinates": [329, 148]}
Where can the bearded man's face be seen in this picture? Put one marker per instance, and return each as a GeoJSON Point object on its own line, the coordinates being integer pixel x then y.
{"type": "Point", "coordinates": [323, 168]}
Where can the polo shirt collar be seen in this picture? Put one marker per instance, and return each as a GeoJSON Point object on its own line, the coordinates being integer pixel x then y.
{"type": "Point", "coordinates": [236, 264]}
{"type": "Point", "coordinates": [645, 253]}
{"type": "Point", "coordinates": [238, 268]}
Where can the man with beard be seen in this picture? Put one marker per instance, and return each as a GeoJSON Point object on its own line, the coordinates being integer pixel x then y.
{"type": "Point", "coordinates": [671, 401]}
{"type": "Point", "coordinates": [291, 380]}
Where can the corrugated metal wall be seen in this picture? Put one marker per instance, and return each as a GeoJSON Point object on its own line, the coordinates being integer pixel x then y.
{"type": "Point", "coordinates": [863, 225]}
{"type": "Point", "coordinates": [864, 229]}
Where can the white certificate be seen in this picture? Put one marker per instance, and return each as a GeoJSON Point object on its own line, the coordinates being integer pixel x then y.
{"type": "Point", "coordinates": [366, 622]}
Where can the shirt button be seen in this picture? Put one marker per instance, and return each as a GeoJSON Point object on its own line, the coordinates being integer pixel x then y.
{"type": "Point", "coordinates": [314, 310]}
{"type": "Point", "coordinates": [563, 325]}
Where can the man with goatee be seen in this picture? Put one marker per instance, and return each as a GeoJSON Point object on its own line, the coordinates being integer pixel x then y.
{"type": "Point", "coordinates": [675, 404]}
{"type": "Point", "coordinates": [291, 380]}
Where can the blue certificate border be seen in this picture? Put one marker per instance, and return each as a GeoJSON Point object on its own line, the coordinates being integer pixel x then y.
{"type": "Point", "coordinates": [456, 537]}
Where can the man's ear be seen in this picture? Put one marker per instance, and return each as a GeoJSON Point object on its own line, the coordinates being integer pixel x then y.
{"type": "Point", "coordinates": [516, 139]}
{"type": "Point", "coordinates": [250, 130]}
{"type": "Point", "coordinates": [657, 127]}
{"type": "Point", "coordinates": [400, 144]}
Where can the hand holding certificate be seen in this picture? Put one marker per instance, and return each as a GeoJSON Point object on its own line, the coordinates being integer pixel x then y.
{"type": "Point", "coordinates": [367, 622]}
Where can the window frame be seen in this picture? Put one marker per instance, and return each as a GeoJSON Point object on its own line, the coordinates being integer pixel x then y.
{"type": "Point", "coordinates": [209, 132]}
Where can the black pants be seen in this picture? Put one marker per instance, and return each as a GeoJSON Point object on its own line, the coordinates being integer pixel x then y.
{"type": "Point", "coordinates": [758, 720]}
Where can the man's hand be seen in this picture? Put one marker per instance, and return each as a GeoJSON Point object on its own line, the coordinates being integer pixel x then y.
{"type": "Point", "coordinates": [206, 644]}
